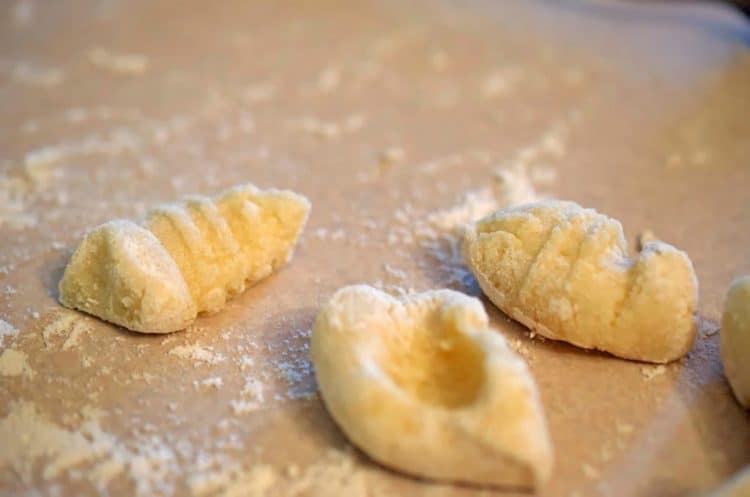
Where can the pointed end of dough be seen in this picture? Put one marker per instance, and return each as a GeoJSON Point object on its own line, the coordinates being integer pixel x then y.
{"type": "Point", "coordinates": [121, 273]}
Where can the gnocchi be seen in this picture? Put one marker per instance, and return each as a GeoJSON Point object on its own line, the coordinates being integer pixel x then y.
{"type": "Point", "coordinates": [564, 272]}
{"type": "Point", "coordinates": [423, 385]}
{"type": "Point", "coordinates": [184, 258]}
{"type": "Point", "coordinates": [735, 339]}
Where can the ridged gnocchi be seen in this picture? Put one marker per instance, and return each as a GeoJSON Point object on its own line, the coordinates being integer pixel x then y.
{"type": "Point", "coordinates": [735, 339]}
{"type": "Point", "coordinates": [564, 272]}
{"type": "Point", "coordinates": [184, 258]}
{"type": "Point", "coordinates": [423, 385]}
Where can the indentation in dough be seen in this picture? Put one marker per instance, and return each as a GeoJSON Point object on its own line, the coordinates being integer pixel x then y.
{"type": "Point", "coordinates": [564, 271]}
{"type": "Point", "coordinates": [185, 258]}
{"type": "Point", "coordinates": [437, 364]}
{"type": "Point", "coordinates": [422, 384]}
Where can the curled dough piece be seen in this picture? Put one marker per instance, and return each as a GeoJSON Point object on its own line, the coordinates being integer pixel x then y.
{"type": "Point", "coordinates": [735, 340]}
{"type": "Point", "coordinates": [423, 385]}
{"type": "Point", "coordinates": [184, 258]}
{"type": "Point", "coordinates": [564, 271]}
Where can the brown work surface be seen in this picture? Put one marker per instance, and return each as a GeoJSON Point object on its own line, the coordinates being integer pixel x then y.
{"type": "Point", "coordinates": [382, 113]}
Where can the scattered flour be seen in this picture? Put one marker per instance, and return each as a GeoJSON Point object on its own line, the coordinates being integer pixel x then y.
{"type": "Point", "coordinates": [336, 475]}
{"type": "Point", "coordinates": [624, 428]}
{"type": "Point", "coordinates": [31, 441]}
{"type": "Point", "coordinates": [650, 372]}
{"type": "Point", "coordinates": [475, 205]}
{"type": "Point", "coordinates": [297, 370]}
{"type": "Point", "coordinates": [589, 471]}
{"type": "Point", "coordinates": [197, 353]}
{"type": "Point", "coordinates": [259, 92]}
{"type": "Point", "coordinates": [253, 389]}
{"type": "Point", "coordinates": [65, 323]}
{"type": "Point", "coordinates": [394, 272]}
{"type": "Point", "coordinates": [74, 337]}
{"type": "Point", "coordinates": [501, 82]}
{"type": "Point", "coordinates": [252, 400]}
{"type": "Point", "coordinates": [120, 63]}
{"type": "Point", "coordinates": [35, 75]}
{"type": "Point", "coordinates": [242, 406]}
{"type": "Point", "coordinates": [213, 382]}
{"type": "Point", "coordinates": [392, 155]}
{"type": "Point", "coordinates": [330, 129]}
{"type": "Point", "coordinates": [6, 330]}
{"type": "Point", "coordinates": [440, 233]}
{"type": "Point", "coordinates": [328, 79]}
{"type": "Point", "coordinates": [13, 363]}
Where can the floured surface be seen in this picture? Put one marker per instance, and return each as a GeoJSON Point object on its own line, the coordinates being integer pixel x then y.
{"type": "Point", "coordinates": [394, 120]}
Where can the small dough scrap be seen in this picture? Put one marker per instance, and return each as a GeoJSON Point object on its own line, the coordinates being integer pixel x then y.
{"type": "Point", "coordinates": [185, 258]}
{"type": "Point", "coordinates": [423, 385]}
{"type": "Point", "coordinates": [564, 272]}
{"type": "Point", "coordinates": [735, 339]}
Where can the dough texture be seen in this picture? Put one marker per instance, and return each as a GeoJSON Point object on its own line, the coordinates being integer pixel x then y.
{"type": "Point", "coordinates": [423, 385]}
{"type": "Point", "coordinates": [564, 272]}
{"type": "Point", "coordinates": [735, 339]}
{"type": "Point", "coordinates": [183, 258]}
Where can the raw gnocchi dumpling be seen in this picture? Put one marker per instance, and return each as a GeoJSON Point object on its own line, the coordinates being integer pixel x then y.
{"type": "Point", "coordinates": [735, 339]}
{"type": "Point", "coordinates": [183, 258]}
{"type": "Point", "coordinates": [423, 385]}
{"type": "Point", "coordinates": [564, 271]}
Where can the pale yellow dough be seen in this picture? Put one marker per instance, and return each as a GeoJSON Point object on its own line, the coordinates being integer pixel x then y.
{"type": "Point", "coordinates": [184, 258]}
{"type": "Point", "coordinates": [735, 339]}
{"type": "Point", "coordinates": [564, 272]}
{"type": "Point", "coordinates": [423, 385]}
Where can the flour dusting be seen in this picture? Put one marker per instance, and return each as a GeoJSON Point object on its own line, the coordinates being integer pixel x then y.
{"type": "Point", "coordinates": [6, 330]}
{"type": "Point", "coordinates": [197, 353]}
{"type": "Point", "coordinates": [119, 63]}
{"type": "Point", "coordinates": [13, 363]}
{"type": "Point", "coordinates": [31, 440]}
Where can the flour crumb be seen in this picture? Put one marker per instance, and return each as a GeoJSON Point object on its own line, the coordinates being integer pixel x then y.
{"type": "Point", "coordinates": [259, 92]}
{"type": "Point", "coordinates": [501, 82]}
{"type": "Point", "coordinates": [245, 362]}
{"type": "Point", "coordinates": [624, 428]}
{"type": "Point", "coordinates": [254, 483]}
{"type": "Point", "coordinates": [328, 80]}
{"type": "Point", "coordinates": [242, 406]}
{"type": "Point", "coordinates": [253, 389]}
{"type": "Point", "coordinates": [335, 475]}
{"type": "Point", "coordinates": [651, 372]}
{"type": "Point", "coordinates": [291, 471]}
{"type": "Point", "coordinates": [215, 382]}
{"type": "Point", "coordinates": [644, 237]}
{"type": "Point", "coordinates": [120, 63]}
{"type": "Point", "coordinates": [35, 75]}
{"type": "Point", "coordinates": [13, 363]}
{"type": "Point", "coordinates": [330, 129]}
{"type": "Point", "coordinates": [74, 337]}
{"type": "Point", "coordinates": [67, 323]}
{"type": "Point", "coordinates": [394, 272]}
{"type": "Point", "coordinates": [197, 353]}
{"type": "Point", "coordinates": [391, 156]}
{"type": "Point", "coordinates": [590, 471]}
{"type": "Point", "coordinates": [706, 328]}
